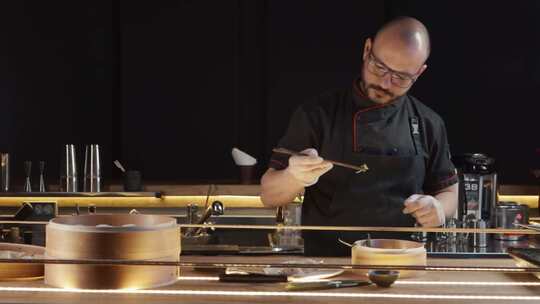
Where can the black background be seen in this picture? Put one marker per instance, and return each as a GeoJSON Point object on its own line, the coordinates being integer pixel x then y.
{"type": "Point", "coordinates": [169, 87]}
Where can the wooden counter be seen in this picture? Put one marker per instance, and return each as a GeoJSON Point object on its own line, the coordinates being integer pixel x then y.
{"type": "Point", "coordinates": [202, 287]}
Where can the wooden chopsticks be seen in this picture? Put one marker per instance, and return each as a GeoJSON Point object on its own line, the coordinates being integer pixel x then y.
{"type": "Point", "coordinates": [358, 169]}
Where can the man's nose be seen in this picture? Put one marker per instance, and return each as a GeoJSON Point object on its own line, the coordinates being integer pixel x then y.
{"type": "Point", "coordinates": [386, 81]}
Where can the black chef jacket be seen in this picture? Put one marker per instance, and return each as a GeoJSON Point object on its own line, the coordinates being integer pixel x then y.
{"type": "Point", "coordinates": [403, 143]}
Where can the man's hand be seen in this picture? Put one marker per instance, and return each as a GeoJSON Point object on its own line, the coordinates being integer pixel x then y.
{"type": "Point", "coordinates": [308, 169]}
{"type": "Point", "coordinates": [426, 209]}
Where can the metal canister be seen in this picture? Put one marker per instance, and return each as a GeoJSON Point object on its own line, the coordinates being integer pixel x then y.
{"type": "Point", "coordinates": [507, 215]}
{"type": "Point", "coordinates": [4, 168]}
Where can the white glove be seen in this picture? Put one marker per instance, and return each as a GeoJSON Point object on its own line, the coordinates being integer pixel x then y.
{"type": "Point", "coordinates": [427, 210]}
{"type": "Point", "coordinates": [308, 169]}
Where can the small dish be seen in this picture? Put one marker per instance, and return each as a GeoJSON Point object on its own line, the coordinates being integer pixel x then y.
{"type": "Point", "coordinates": [383, 278]}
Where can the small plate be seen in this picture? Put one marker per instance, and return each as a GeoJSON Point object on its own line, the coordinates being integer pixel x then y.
{"type": "Point", "coordinates": [293, 274]}
{"type": "Point", "coordinates": [526, 257]}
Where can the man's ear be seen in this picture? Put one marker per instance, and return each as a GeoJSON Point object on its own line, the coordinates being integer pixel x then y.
{"type": "Point", "coordinates": [422, 69]}
{"type": "Point", "coordinates": [367, 48]}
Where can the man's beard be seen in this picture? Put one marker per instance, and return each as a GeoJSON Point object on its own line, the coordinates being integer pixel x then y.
{"type": "Point", "coordinates": [380, 90]}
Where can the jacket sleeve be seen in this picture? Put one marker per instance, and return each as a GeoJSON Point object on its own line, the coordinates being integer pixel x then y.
{"type": "Point", "coordinates": [301, 134]}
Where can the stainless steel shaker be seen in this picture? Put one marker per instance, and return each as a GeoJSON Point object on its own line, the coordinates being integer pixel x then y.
{"type": "Point", "coordinates": [507, 215]}
{"type": "Point", "coordinates": [68, 169]}
{"type": "Point", "coordinates": [92, 169]}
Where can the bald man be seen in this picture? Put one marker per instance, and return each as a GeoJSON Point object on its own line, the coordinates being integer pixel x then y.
{"type": "Point", "coordinates": [411, 179]}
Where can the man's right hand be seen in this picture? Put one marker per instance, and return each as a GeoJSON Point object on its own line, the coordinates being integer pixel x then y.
{"type": "Point", "coordinates": [307, 169]}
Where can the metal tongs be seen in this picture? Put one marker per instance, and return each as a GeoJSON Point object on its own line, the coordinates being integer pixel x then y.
{"type": "Point", "coordinates": [359, 169]}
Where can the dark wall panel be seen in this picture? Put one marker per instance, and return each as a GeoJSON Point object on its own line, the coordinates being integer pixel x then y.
{"type": "Point", "coordinates": [313, 47]}
{"type": "Point", "coordinates": [179, 83]}
{"type": "Point", "coordinates": [483, 76]}
{"type": "Point", "coordinates": [169, 87]}
{"type": "Point", "coordinates": [56, 86]}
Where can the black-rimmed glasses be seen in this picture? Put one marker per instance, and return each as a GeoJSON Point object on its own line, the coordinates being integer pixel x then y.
{"type": "Point", "coordinates": [380, 69]}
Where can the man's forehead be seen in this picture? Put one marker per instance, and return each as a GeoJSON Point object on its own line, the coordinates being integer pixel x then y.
{"type": "Point", "coordinates": [399, 56]}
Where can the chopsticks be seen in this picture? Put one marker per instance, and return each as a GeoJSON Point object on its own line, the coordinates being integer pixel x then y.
{"type": "Point", "coordinates": [358, 169]}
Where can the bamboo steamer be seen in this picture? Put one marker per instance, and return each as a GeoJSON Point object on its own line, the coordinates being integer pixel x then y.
{"type": "Point", "coordinates": [108, 236]}
{"type": "Point", "coordinates": [17, 271]}
{"type": "Point", "coordinates": [389, 252]}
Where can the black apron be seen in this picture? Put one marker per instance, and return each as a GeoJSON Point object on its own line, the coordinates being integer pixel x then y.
{"type": "Point", "coordinates": [373, 198]}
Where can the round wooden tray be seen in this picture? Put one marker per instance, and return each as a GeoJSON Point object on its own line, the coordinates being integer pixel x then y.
{"type": "Point", "coordinates": [22, 271]}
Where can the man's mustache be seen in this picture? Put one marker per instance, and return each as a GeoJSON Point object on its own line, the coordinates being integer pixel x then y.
{"type": "Point", "coordinates": [378, 88]}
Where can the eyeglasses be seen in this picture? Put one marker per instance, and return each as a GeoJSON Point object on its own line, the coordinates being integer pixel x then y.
{"type": "Point", "coordinates": [380, 69]}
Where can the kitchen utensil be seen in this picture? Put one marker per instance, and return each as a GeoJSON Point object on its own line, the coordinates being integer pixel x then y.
{"type": "Point", "coordinates": [383, 278]}
{"type": "Point", "coordinates": [215, 209]}
{"type": "Point", "coordinates": [92, 169]}
{"type": "Point", "coordinates": [358, 169]}
{"type": "Point", "coordinates": [251, 278]}
{"type": "Point", "coordinates": [119, 166]}
{"type": "Point", "coordinates": [299, 286]}
{"type": "Point", "coordinates": [42, 187]}
{"type": "Point", "coordinates": [4, 167]}
{"type": "Point", "coordinates": [25, 211]}
{"type": "Point", "coordinates": [27, 173]}
{"type": "Point", "coordinates": [532, 226]}
{"type": "Point", "coordinates": [345, 243]}
{"type": "Point", "coordinates": [68, 169]}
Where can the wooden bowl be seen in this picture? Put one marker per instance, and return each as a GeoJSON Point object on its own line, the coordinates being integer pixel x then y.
{"type": "Point", "coordinates": [11, 271]}
{"type": "Point", "coordinates": [108, 236]}
{"type": "Point", "coordinates": [389, 252]}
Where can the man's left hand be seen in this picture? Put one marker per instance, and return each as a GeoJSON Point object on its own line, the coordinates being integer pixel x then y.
{"type": "Point", "coordinates": [426, 209]}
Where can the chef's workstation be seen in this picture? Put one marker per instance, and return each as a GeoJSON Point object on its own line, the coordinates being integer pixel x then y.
{"type": "Point", "coordinates": [208, 245]}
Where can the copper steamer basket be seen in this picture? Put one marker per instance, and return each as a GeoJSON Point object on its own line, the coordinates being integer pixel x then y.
{"type": "Point", "coordinates": [108, 236]}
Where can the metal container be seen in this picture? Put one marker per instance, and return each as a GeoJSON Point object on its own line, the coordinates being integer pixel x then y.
{"type": "Point", "coordinates": [4, 167]}
{"type": "Point", "coordinates": [507, 214]}
{"type": "Point", "coordinates": [68, 169]}
{"type": "Point", "coordinates": [107, 236]}
{"type": "Point", "coordinates": [92, 169]}
{"type": "Point", "coordinates": [478, 239]}
{"type": "Point", "coordinates": [389, 252]}
{"type": "Point", "coordinates": [478, 186]}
